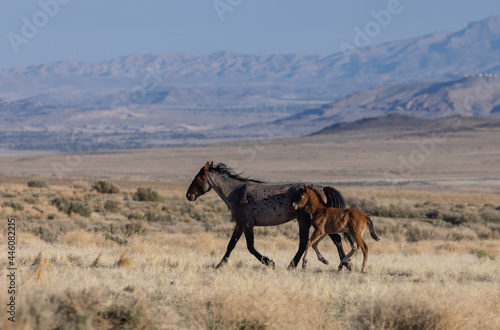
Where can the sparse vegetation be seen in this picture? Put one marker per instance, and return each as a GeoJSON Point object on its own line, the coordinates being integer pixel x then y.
{"type": "Point", "coordinates": [105, 187]}
{"type": "Point", "coordinates": [111, 206]}
{"type": "Point", "coordinates": [150, 257]}
{"type": "Point", "coordinates": [146, 195]}
{"type": "Point", "coordinates": [14, 206]}
{"type": "Point", "coordinates": [37, 184]}
{"type": "Point", "coordinates": [79, 208]}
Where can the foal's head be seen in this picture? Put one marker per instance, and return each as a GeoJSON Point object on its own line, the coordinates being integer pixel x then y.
{"type": "Point", "coordinates": [301, 199]}
{"type": "Point", "coordinates": [200, 184]}
{"type": "Point", "coordinates": [306, 199]}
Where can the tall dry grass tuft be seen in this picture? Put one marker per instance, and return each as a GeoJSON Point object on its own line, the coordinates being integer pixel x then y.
{"type": "Point", "coordinates": [261, 307]}
{"type": "Point", "coordinates": [97, 261]}
{"type": "Point", "coordinates": [85, 309]}
{"type": "Point", "coordinates": [123, 261]}
{"type": "Point", "coordinates": [41, 262]}
{"type": "Point", "coordinates": [428, 309]}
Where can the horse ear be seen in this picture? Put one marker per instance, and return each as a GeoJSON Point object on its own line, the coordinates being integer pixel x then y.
{"type": "Point", "coordinates": [207, 166]}
{"type": "Point", "coordinates": [305, 187]}
{"type": "Point", "coordinates": [211, 164]}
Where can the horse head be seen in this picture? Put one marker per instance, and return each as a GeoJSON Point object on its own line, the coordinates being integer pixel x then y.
{"type": "Point", "coordinates": [200, 184]}
{"type": "Point", "coordinates": [302, 198]}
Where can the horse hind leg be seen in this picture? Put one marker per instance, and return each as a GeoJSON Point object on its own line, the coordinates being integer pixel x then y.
{"type": "Point", "coordinates": [318, 254]}
{"type": "Point", "coordinates": [364, 248]}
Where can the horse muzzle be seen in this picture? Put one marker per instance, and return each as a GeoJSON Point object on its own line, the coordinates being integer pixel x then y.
{"type": "Point", "coordinates": [191, 197]}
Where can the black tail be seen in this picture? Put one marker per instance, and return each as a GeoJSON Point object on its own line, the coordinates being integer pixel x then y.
{"type": "Point", "coordinates": [372, 231]}
{"type": "Point", "coordinates": [334, 198]}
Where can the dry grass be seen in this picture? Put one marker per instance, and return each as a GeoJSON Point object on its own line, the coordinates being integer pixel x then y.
{"type": "Point", "coordinates": [111, 271]}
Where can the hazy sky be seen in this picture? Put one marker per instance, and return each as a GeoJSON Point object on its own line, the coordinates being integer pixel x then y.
{"type": "Point", "coordinates": [92, 30]}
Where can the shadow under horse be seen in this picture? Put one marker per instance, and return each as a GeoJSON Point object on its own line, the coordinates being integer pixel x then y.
{"type": "Point", "coordinates": [255, 203]}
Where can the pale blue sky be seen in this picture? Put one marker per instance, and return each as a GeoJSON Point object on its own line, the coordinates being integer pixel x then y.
{"type": "Point", "coordinates": [93, 30]}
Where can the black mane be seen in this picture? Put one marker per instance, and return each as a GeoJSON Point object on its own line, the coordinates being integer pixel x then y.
{"type": "Point", "coordinates": [222, 168]}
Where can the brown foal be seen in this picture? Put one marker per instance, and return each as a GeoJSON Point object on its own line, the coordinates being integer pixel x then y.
{"type": "Point", "coordinates": [329, 220]}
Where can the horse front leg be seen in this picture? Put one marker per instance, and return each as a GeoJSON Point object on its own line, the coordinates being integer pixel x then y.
{"type": "Point", "coordinates": [337, 240]}
{"type": "Point", "coordinates": [304, 225]}
{"type": "Point", "coordinates": [248, 230]}
{"type": "Point", "coordinates": [238, 230]}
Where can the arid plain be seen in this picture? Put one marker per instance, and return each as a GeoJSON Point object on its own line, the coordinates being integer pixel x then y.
{"type": "Point", "coordinates": [110, 255]}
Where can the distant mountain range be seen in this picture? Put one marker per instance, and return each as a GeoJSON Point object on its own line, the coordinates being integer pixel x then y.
{"type": "Point", "coordinates": [475, 96]}
{"type": "Point", "coordinates": [437, 56]}
{"type": "Point", "coordinates": [184, 98]}
{"type": "Point", "coordinates": [402, 125]}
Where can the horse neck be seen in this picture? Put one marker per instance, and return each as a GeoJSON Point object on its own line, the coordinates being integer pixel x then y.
{"type": "Point", "coordinates": [224, 185]}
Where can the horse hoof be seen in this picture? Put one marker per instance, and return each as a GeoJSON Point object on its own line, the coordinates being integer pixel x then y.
{"type": "Point", "coordinates": [217, 266]}
{"type": "Point", "coordinates": [325, 262]}
{"type": "Point", "coordinates": [268, 262]}
{"type": "Point", "coordinates": [349, 266]}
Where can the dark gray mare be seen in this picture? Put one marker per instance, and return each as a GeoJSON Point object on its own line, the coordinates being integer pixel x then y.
{"type": "Point", "coordinates": [255, 203]}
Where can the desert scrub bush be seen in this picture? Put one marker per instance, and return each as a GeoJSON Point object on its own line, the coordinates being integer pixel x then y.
{"type": "Point", "coordinates": [68, 207]}
{"type": "Point", "coordinates": [134, 228]}
{"type": "Point", "coordinates": [79, 208]}
{"type": "Point", "coordinates": [483, 254]}
{"type": "Point", "coordinates": [146, 195]}
{"type": "Point", "coordinates": [105, 187]}
{"type": "Point", "coordinates": [399, 211]}
{"type": "Point", "coordinates": [117, 239]}
{"type": "Point", "coordinates": [489, 214]}
{"type": "Point", "coordinates": [461, 234]}
{"type": "Point", "coordinates": [136, 216]}
{"type": "Point", "coordinates": [61, 203]}
{"type": "Point", "coordinates": [367, 206]}
{"type": "Point", "coordinates": [86, 309]}
{"type": "Point", "coordinates": [111, 206]}
{"type": "Point", "coordinates": [453, 217]}
{"type": "Point", "coordinates": [152, 216]}
{"type": "Point", "coordinates": [417, 233]}
{"type": "Point", "coordinates": [37, 184]}
{"type": "Point", "coordinates": [13, 205]}
{"type": "Point", "coordinates": [433, 214]}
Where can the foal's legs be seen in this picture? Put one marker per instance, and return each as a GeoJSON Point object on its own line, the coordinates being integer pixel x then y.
{"type": "Point", "coordinates": [364, 248]}
{"type": "Point", "coordinates": [238, 230]}
{"type": "Point", "coordinates": [318, 254]}
{"type": "Point", "coordinates": [248, 230]}
{"type": "Point", "coordinates": [354, 248]}
{"type": "Point", "coordinates": [317, 234]}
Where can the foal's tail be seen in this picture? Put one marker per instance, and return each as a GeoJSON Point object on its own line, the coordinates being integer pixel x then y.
{"type": "Point", "coordinates": [372, 231]}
